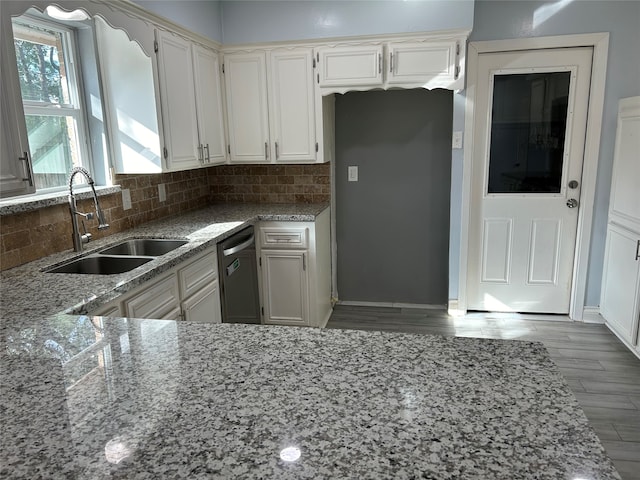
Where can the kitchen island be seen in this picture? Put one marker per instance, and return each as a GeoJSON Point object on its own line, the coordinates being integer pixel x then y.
{"type": "Point", "coordinates": [93, 397]}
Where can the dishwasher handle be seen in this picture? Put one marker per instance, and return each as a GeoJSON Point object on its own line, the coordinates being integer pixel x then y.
{"type": "Point", "coordinates": [238, 248]}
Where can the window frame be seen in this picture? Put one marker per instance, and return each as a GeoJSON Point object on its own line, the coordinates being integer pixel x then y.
{"type": "Point", "coordinates": [77, 109]}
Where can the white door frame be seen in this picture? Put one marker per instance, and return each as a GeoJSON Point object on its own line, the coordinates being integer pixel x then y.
{"type": "Point", "coordinates": [600, 44]}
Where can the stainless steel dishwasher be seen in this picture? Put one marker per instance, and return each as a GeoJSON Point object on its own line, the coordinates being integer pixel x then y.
{"type": "Point", "coordinates": [239, 278]}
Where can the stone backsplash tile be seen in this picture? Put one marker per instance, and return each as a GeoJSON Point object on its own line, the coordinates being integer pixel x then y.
{"type": "Point", "coordinates": [271, 183]}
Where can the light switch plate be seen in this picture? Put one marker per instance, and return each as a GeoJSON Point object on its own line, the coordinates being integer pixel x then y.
{"type": "Point", "coordinates": [352, 174]}
{"type": "Point", "coordinates": [162, 192]}
{"type": "Point", "coordinates": [126, 199]}
{"type": "Point", "coordinates": [456, 140]}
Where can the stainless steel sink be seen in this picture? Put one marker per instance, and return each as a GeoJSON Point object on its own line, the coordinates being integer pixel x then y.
{"type": "Point", "coordinates": [100, 265]}
{"type": "Point", "coordinates": [146, 247]}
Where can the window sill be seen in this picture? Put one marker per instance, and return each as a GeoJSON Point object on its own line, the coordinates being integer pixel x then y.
{"type": "Point", "coordinates": [27, 203]}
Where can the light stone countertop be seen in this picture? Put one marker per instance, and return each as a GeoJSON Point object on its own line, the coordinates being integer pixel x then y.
{"type": "Point", "coordinates": [28, 294]}
{"type": "Point", "coordinates": [94, 398]}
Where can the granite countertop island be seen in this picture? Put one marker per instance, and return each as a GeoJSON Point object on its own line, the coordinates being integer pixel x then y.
{"type": "Point", "coordinates": [95, 397]}
{"type": "Point", "coordinates": [34, 294]}
{"type": "Point", "coordinates": [92, 397]}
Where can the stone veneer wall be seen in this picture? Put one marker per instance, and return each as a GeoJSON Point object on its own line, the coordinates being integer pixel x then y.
{"type": "Point", "coordinates": [35, 234]}
{"type": "Point", "coordinates": [271, 183]}
{"type": "Point", "coordinates": [31, 235]}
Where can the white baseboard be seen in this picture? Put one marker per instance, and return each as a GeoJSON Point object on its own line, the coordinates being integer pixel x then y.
{"type": "Point", "coordinates": [454, 310]}
{"type": "Point", "coordinates": [391, 305]}
{"type": "Point", "coordinates": [592, 315]}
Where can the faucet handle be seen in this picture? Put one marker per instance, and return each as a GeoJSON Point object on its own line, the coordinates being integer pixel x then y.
{"type": "Point", "coordinates": [103, 226]}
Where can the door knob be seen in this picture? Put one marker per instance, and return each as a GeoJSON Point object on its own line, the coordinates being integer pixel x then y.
{"type": "Point", "coordinates": [572, 203]}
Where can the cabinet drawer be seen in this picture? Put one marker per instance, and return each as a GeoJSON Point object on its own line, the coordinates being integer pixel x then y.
{"type": "Point", "coordinates": [197, 274]}
{"type": "Point", "coordinates": [273, 237]}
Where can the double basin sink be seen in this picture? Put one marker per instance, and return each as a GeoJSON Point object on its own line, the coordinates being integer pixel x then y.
{"type": "Point", "coordinates": [119, 258]}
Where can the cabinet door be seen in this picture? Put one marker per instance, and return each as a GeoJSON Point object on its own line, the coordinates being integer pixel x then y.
{"type": "Point", "coordinates": [246, 86]}
{"type": "Point", "coordinates": [292, 108]}
{"type": "Point", "coordinates": [285, 283]}
{"type": "Point", "coordinates": [350, 66]}
{"type": "Point", "coordinates": [625, 193]}
{"type": "Point", "coordinates": [204, 305]}
{"type": "Point", "coordinates": [178, 101]}
{"type": "Point", "coordinates": [14, 146]}
{"type": "Point", "coordinates": [430, 64]}
{"type": "Point", "coordinates": [620, 302]}
{"type": "Point", "coordinates": [206, 68]}
{"type": "Point", "coordinates": [160, 301]}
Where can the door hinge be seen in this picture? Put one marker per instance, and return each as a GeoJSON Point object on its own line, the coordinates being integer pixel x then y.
{"type": "Point", "coordinates": [229, 149]}
{"type": "Point", "coordinates": [223, 68]}
{"type": "Point", "coordinates": [262, 311]}
{"type": "Point", "coordinates": [457, 49]}
{"type": "Point", "coordinates": [260, 261]}
{"type": "Point", "coordinates": [165, 152]}
{"type": "Point", "coordinates": [456, 73]}
{"type": "Point", "coordinates": [155, 46]}
{"type": "Point", "coordinates": [317, 147]}
{"type": "Point", "coordinates": [318, 79]}
{"type": "Point", "coordinates": [313, 62]}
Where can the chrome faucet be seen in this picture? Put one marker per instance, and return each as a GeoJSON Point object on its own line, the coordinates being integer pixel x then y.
{"type": "Point", "coordinates": [78, 238]}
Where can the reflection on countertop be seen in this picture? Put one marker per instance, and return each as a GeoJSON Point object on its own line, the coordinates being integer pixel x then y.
{"type": "Point", "coordinates": [92, 397]}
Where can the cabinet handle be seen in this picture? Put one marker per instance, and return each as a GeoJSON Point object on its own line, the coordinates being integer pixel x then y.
{"type": "Point", "coordinates": [638, 250]}
{"type": "Point", "coordinates": [29, 178]}
{"type": "Point", "coordinates": [391, 62]}
{"type": "Point", "coordinates": [208, 156]}
{"type": "Point", "coordinates": [277, 154]}
{"type": "Point", "coordinates": [266, 150]}
{"type": "Point", "coordinates": [379, 63]}
{"type": "Point", "coordinates": [200, 154]}
{"type": "Point", "coordinates": [304, 261]}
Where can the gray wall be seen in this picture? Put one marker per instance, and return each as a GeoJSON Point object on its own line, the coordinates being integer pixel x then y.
{"type": "Point", "coordinates": [266, 21]}
{"type": "Point", "coordinates": [392, 225]}
{"type": "Point", "coordinates": [200, 16]}
{"type": "Point", "coordinates": [495, 20]}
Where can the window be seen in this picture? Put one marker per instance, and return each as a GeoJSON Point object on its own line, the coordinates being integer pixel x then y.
{"type": "Point", "coordinates": [50, 94]}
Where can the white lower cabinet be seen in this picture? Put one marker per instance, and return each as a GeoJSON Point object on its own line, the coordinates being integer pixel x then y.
{"type": "Point", "coordinates": [203, 306]}
{"type": "Point", "coordinates": [160, 300]}
{"type": "Point", "coordinates": [295, 278]}
{"type": "Point", "coordinates": [189, 291]}
{"type": "Point", "coordinates": [286, 287]}
{"type": "Point", "coordinates": [620, 299]}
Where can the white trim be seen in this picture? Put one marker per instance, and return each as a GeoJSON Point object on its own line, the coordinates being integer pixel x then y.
{"type": "Point", "coordinates": [631, 348]}
{"type": "Point", "coordinates": [391, 305]}
{"type": "Point", "coordinates": [592, 315]}
{"type": "Point", "coordinates": [600, 44]}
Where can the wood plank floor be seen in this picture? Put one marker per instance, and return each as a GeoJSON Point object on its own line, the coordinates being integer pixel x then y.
{"type": "Point", "coordinates": [603, 374]}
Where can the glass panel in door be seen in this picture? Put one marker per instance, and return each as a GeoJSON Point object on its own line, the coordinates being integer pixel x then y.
{"type": "Point", "coordinates": [528, 126]}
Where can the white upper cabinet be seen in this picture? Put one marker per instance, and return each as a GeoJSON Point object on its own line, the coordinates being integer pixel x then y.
{"type": "Point", "coordinates": [292, 105]}
{"type": "Point", "coordinates": [434, 61]}
{"type": "Point", "coordinates": [431, 64]}
{"type": "Point", "coordinates": [247, 114]}
{"type": "Point", "coordinates": [208, 90]}
{"type": "Point", "coordinates": [178, 101]}
{"type": "Point", "coordinates": [350, 66]}
{"type": "Point", "coordinates": [190, 97]}
{"type": "Point", "coordinates": [271, 106]}
{"type": "Point", "coordinates": [624, 205]}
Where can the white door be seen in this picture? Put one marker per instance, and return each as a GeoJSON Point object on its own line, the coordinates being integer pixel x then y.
{"type": "Point", "coordinates": [204, 305]}
{"type": "Point", "coordinates": [529, 134]}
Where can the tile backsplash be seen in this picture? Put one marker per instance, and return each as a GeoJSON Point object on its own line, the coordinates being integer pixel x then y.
{"type": "Point", "coordinates": [271, 183]}
{"type": "Point", "coordinates": [35, 234]}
